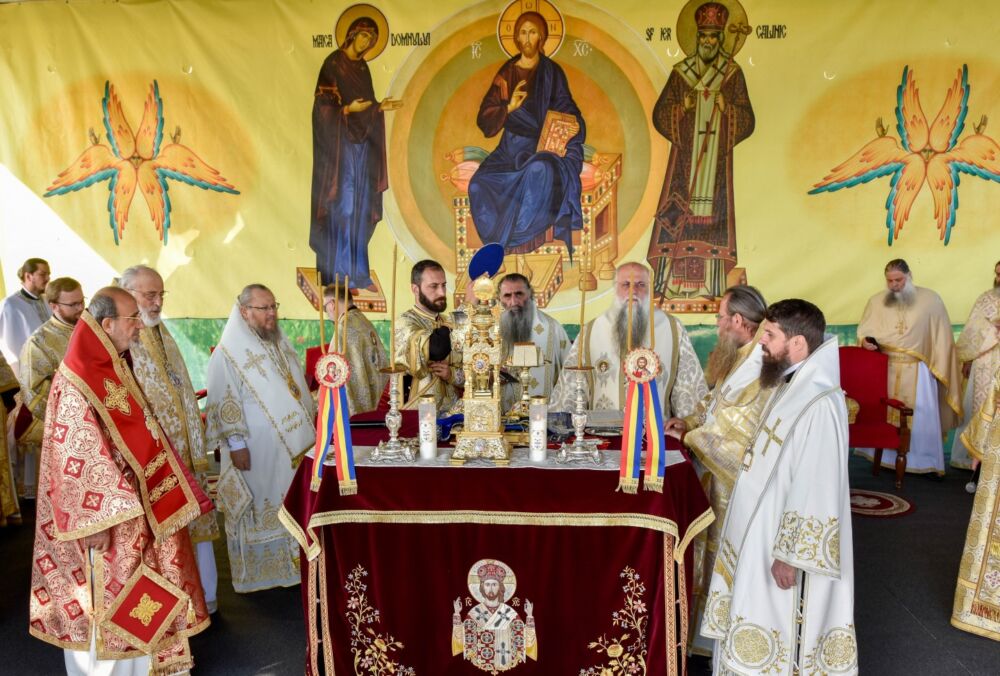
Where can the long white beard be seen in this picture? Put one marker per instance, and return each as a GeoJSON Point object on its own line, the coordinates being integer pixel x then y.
{"type": "Point", "coordinates": [515, 325]}
{"type": "Point", "coordinates": [905, 297]}
{"type": "Point", "coordinates": [640, 322]}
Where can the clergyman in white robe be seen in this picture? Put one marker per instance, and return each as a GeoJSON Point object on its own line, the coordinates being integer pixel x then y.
{"type": "Point", "coordinates": [790, 505]}
{"type": "Point", "coordinates": [258, 400]}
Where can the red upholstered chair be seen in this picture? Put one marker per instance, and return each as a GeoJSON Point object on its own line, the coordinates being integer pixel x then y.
{"type": "Point", "coordinates": [864, 376]}
{"type": "Point", "coordinates": [312, 356]}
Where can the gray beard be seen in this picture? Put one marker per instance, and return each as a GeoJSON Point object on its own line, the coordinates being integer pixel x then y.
{"type": "Point", "coordinates": [722, 359]}
{"type": "Point", "coordinates": [640, 324]}
{"type": "Point", "coordinates": [515, 325]}
{"type": "Point", "coordinates": [268, 335]}
{"type": "Point", "coordinates": [905, 298]}
{"type": "Point", "coordinates": [148, 321]}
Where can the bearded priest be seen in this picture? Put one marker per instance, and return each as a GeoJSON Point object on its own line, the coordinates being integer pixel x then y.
{"type": "Point", "coordinates": [261, 415]}
{"type": "Point", "coordinates": [114, 502]}
{"type": "Point", "coordinates": [160, 370]}
{"type": "Point", "coordinates": [781, 599]}
{"type": "Point", "coordinates": [723, 424]}
{"type": "Point", "coordinates": [911, 325]}
{"type": "Point", "coordinates": [603, 343]}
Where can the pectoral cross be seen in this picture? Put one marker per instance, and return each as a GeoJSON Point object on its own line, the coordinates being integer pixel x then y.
{"type": "Point", "coordinates": [254, 361]}
{"type": "Point", "coordinates": [771, 436]}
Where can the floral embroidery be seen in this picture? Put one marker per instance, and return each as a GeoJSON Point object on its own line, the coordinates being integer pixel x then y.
{"type": "Point", "coordinates": [809, 540]}
{"type": "Point", "coordinates": [371, 650]}
{"type": "Point", "coordinates": [627, 653]}
{"type": "Point", "coordinates": [836, 652]}
{"type": "Point", "coordinates": [756, 647]}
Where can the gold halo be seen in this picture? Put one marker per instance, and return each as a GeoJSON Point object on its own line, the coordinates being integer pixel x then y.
{"type": "Point", "coordinates": [554, 18]}
{"type": "Point", "coordinates": [509, 582]}
{"type": "Point", "coordinates": [357, 11]}
{"type": "Point", "coordinates": [687, 30]}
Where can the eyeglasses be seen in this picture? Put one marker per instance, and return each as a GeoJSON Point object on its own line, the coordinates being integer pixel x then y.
{"type": "Point", "coordinates": [153, 295]}
{"type": "Point", "coordinates": [137, 317]}
{"type": "Point", "coordinates": [79, 304]}
{"type": "Point", "coordinates": [264, 308]}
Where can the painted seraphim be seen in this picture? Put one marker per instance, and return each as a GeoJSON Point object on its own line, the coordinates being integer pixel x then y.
{"type": "Point", "coordinates": [925, 153]}
{"type": "Point", "coordinates": [134, 160]}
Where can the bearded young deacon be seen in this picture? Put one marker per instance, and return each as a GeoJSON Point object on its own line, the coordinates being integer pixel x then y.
{"type": "Point", "coordinates": [781, 599]}
{"type": "Point", "coordinates": [261, 416]}
{"type": "Point", "coordinates": [911, 325]}
{"type": "Point", "coordinates": [113, 506]}
{"type": "Point", "coordinates": [164, 378]}
{"type": "Point", "coordinates": [364, 350]}
{"type": "Point", "coordinates": [603, 344]}
{"type": "Point", "coordinates": [722, 425]}
{"type": "Point", "coordinates": [523, 322]}
{"type": "Point", "coordinates": [423, 339]}
{"type": "Point", "coordinates": [39, 359]}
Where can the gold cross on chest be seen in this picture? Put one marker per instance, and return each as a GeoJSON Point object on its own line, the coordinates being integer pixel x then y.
{"type": "Point", "coordinates": [901, 322]}
{"type": "Point", "coordinates": [771, 436]}
{"type": "Point", "coordinates": [254, 361]}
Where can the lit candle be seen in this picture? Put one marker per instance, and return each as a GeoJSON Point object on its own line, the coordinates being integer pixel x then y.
{"type": "Point", "coordinates": [336, 309]}
{"type": "Point", "coordinates": [583, 348]}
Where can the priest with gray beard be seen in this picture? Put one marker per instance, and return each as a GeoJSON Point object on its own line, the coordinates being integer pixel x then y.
{"type": "Point", "coordinates": [911, 325]}
{"type": "Point", "coordinates": [523, 322]}
{"type": "Point", "coordinates": [164, 379]}
{"type": "Point", "coordinates": [261, 415]}
{"type": "Point", "coordinates": [602, 344]}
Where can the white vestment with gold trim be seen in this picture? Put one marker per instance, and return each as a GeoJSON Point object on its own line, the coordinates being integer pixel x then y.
{"type": "Point", "coordinates": [792, 504]}
{"type": "Point", "coordinates": [257, 396]}
{"type": "Point", "coordinates": [680, 384]}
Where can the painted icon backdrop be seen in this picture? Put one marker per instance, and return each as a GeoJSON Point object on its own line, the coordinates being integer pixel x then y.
{"type": "Point", "coordinates": [780, 142]}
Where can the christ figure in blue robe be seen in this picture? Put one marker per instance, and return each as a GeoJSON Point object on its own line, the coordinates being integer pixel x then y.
{"type": "Point", "coordinates": [518, 192]}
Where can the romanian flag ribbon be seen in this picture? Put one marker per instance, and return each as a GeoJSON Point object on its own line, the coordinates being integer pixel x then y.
{"type": "Point", "coordinates": [656, 451]}
{"type": "Point", "coordinates": [333, 435]}
{"type": "Point", "coordinates": [642, 407]}
{"type": "Point", "coordinates": [631, 462]}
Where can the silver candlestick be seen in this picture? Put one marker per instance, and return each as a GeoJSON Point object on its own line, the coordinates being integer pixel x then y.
{"type": "Point", "coordinates": [395, 449]}
{"type": "Point", "coordinates": [581, 448]}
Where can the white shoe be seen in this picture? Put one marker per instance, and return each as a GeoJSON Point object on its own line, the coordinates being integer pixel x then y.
{"type": "Point", "coordinates": [970, 487]}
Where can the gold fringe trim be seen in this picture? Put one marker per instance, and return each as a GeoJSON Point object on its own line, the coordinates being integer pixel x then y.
{"type": "Point", "coordinates": [349, 487]}
{"type": "Point", "coordinates": [986, 611]}
{"type": "Point", "coordinates": [630, 486]}
{"type": "Point", "coordinates": [654, 484]}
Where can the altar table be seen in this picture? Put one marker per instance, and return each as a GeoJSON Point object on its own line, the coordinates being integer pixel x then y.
{"type": "Point", "coordinates": [606, 575]}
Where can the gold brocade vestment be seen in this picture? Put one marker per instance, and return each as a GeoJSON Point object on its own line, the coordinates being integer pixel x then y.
{"type": "Point", "coordinates": [39, 359]}
{"type": "Point", "coordinates": [977, 593]}
{"type": "Point", "coordinates": [720, 431]}
{"type": "Point", "coordinates": [160, 370]}
{"type": "Point", "coordinates": [9, 509]}
{"type": "Point", "coordinates": [367, 356]}
{"type": "Point", "coordinates": [413, 331]}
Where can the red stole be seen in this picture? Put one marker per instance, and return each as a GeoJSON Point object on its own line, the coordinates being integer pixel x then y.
{"type": "Point", "coordinates": [170, 495]}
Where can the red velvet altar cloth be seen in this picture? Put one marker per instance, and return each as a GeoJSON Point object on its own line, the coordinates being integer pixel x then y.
{"type": "Point", "coordinates": [607, 574]}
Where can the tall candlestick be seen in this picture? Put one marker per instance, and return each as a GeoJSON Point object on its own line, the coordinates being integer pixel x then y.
{"type": "Point", "coordinates": [347, 305]}
{"type": "Point", "coordinates": [336, 310]}
{"type": "Point", "coordinates": [583, 348]}
{"type": "Point", "coordinates": [392, 312]}
{"type": "Point", "coordinates": [322, 312]}
{"type": "Point", "coordinates": [631, 286]}
{"type": "Point", "coordinates": [652, 316]}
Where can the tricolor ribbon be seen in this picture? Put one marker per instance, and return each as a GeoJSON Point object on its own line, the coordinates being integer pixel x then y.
{"type": "Point", "coordinates": [642, 408]}
{"type": "Point", "coordinates": [333, 434]}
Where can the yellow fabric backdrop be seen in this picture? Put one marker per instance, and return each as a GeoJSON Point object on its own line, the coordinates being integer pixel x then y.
{"type": "Point", "coordinates": [238, 79]}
